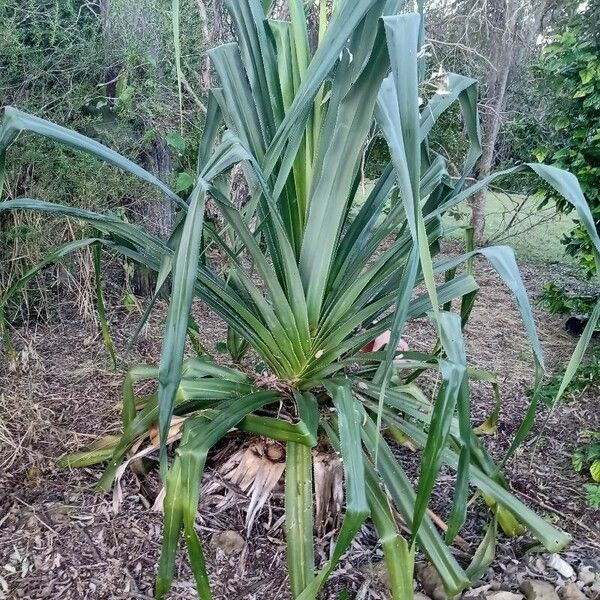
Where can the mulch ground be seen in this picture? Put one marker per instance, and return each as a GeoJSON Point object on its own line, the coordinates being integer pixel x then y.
{"type": "Point", "coordinates": [61, 539]}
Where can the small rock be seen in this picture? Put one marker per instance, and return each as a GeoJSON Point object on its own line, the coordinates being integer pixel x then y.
{"type": "Point", "coordinates": [562, 566]}
{"type": "Point", "coordinates": [535, 589]}
{"type": "Point", "coordinates": [432, 582]}
{"type": "Point", "coordinates": [476, 593]}
{"type": "Point", "coordinates": [419, 596]}
{"type": "Point", "coordinates": [586, 576]}
{"type": "Point", "coordinates": [503, 596]}
{"type": "Point", "coordinates": [229, 542]}
{"type": "Point", "coordinates": [540, 565]}
{"type": "Point", "coordinates": [571, 592]}
{"type": "Point", "coordinates": [378, 572]}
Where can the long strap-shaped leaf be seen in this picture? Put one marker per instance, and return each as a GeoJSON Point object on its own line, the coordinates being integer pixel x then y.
{"type": "Point", "coordinates": [15, 121]}
{"type": "Point", "coordinates": [183, 487]}
{"type": "Point", "coordinates": [399, 117]}
{"type": "Point", "coordinates": [552, 539]}
{"type": "Point", "coordinates": [236, 100]}
{"type": "Point", "coordinates": [299, 517]}
{"type": "Point", "coordinates": [502, 258]}
{"type": "Point", "coordinates": [284, 312]}
{"type": "Point", "coordinates": [441, 419]}
{"type": "Point", "coordinates": [399, 557]}
{"type": "Point", "coordinates": [184, 275]}
{"type": "Point", "coordinates": [259, 61]}
{"type": "Point", "coordinates": [150, 251]}
{"type": "Point", "coordinates": [343, 22]}
{"type": "Point", "coordinates": [110, 224]}
{"type": "Point", "coordinates": [351, 121]}
{"type": "Point", "coordinates": [450, 333]}
{"type": "Point", "coordinates": [357, 506]}
{"type": "Point", "coordinates": [563, 182]}
{"type": "Point", "coordinates": [191, 395]}
{"type": "Point", "coordinates": [345, 341]}
{"type": "Point", "coordinates": [403, 494]}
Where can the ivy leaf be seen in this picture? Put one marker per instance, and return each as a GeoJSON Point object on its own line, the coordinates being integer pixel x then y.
{"type": "Point", "coordinates": [183, 182]}
{"type": "Point", "coordinates": [561, 123]}
{"type": "Point", "coordinates": [176, 141]}
{"type": "Point", "coordinates": [586, 75]}
{"type": "Point", "coordinates": [582, 92]}
{"type": "Point", "coordinates": [593, 494]}
{"type": "Point", "coordinates": [595, 470]}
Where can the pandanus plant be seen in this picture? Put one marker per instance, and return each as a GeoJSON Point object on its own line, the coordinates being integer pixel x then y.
{"type": "Point", "coordinates": [312, 277]}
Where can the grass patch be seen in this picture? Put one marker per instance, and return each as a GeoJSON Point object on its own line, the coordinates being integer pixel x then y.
{"type": "Point", "coordinates": [515, 220]}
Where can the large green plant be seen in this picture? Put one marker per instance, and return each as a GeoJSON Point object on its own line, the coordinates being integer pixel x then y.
{"type": "Point", "coordinates": [321, 285]}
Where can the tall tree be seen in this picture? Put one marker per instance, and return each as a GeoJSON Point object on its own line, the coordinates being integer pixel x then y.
{"type": "Point", "coordinates": [494, 40]}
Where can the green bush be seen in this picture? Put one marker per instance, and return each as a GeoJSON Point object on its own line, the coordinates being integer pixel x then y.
{"type": "Point", "coordinates": [321, 293]}
{"type": "Point", "coordinates": [567, 133]}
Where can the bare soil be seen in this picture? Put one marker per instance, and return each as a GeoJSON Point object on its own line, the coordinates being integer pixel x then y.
{"type": "Point", "coordinates": [61, 539]}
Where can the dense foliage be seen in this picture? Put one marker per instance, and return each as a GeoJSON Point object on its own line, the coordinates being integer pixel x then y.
{"type": "Point", "coordinates": [67, 61]}
{"type": "Point", "coordinates": [309, 283]}
{"type": "Point", "coordinates": [567, 131]}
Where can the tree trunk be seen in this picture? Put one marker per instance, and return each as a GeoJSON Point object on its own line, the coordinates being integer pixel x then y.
{"type": "Point", "coordinates": [157, 213]}
{"type": "Point", "coordinates": [501, 25]}
{"type": "Point", "coordinates": [491, 122]}
{"type": "Point", "coordinates": [512, 28]}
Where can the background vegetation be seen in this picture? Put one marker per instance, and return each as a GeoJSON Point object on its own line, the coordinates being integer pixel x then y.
{"type": "Point", "coordinates": [316, 305]}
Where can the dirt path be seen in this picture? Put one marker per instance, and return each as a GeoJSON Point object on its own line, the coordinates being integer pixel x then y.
{"type": "Point", "coordinates": [60, 539]}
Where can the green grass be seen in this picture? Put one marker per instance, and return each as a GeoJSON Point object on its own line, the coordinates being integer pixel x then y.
{"type": "Point", "coordinates": [534, 234]}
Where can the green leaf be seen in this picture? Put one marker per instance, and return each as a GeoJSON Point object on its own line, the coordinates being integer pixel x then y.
{"type": "Point", "coordinates": [184, 275]}
{"type": "Point", "coordinates": [404, 497]}
{"type": "Point", "coordinates": [175, 140]}
{"type": "Point", "coordinates": [552, 539]}
{"type": "Point", "coordinates": [357, 507]}
{"type": "Point", "coordinates": [183, 488]}
{"type": "Point", "coordinates": [485, 553]}
{"type": "Point", "coordinates": [183, 182]}
{"type": "Point", "coordinates": [16, 121]}
{"type": "Point", "coordinates": [399, 557]}
{"type": "Point", "coordinates": [439, 429]}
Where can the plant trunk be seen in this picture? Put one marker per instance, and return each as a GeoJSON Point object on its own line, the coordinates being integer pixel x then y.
{"type": "Point", "coordinates": [157, 212]}
{"type": "Point", "coordinates": [490, 128]}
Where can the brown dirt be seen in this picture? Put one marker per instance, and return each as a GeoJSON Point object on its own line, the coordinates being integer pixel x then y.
{"type": "Point", "coordinates": [60, 539]}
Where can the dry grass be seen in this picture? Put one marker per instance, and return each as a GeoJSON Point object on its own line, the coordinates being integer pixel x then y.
{"type": "Point", "coordinates": [61, 539]}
